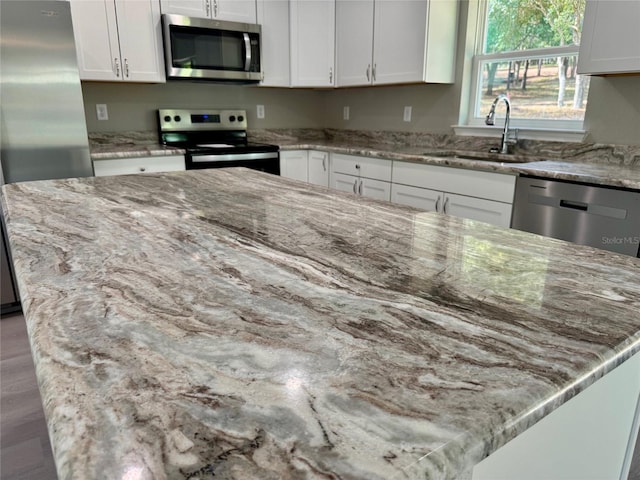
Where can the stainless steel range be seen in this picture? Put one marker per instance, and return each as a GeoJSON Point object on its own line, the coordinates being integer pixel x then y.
{"type": "Point", "coordinates": [216, 139]}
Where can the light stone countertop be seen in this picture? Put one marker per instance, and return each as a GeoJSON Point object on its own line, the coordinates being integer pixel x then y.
{"type": "Point", "coordinates": [233, 323]}
{"type": "Point", "coordinates": [606, 174]}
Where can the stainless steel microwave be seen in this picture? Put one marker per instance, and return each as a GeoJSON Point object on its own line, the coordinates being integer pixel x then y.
{"type": "Point", "coordinates": [213, 50]}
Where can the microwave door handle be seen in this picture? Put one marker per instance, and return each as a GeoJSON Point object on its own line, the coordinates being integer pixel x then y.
{"type": "Point", "coordinates": [247, 50]}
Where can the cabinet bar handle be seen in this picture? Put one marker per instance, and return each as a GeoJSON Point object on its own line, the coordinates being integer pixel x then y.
{"type": "Point", "coordinates": [215, 8]}
{"type": "Point", "coordinates": [368, 72]}
{"type": "Point", "coordinates": [324, 165]}
{"type": "Point", "coordinates": [373, 72]}
{"type": "Point", "coordinates": [126, 68]}
{"type": "Point", "coordinates": [355, 184]}
{"type": "Point", "coordinates": [444, 207]}
{"type": "Point", "coordinates": [438, 204]}
{"type": "Point", "coordinates": [207, 4]}
{"type": "Point", "coordinates": [360, 188]}
{"type": "Point", "coordinates": [575, 205]}
{"type": "Point", "coordinates": [331, 75]}
{"type": "Point", "coordinates": [117, 64]}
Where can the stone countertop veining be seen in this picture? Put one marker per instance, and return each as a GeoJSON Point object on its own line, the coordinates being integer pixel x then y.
{"type": "Point", "coordinates": [233, 324]}
{"type": "Point", "coordinates": [107, 146]}
{"type": "Point", "coordinates": [607, 174]}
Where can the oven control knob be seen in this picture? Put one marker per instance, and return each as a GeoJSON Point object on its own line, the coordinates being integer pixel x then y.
{"type": "Point", "coordinates": [232, 118]}
{"type": "Point", "coordinates": [167, 118]}
{"type": "Point", "coordinates": [240, 118]}
{"type": "Point", "coordinates": [177, 118]}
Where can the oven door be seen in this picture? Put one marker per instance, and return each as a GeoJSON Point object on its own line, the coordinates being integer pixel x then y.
{"type": "Point", "coordinates": [268, 162]}
{"type": "Point", "coordinates": [203, 49]}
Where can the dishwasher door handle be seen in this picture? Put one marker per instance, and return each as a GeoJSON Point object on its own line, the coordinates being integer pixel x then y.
{"type": "Point", "coordinates": [574, 205]}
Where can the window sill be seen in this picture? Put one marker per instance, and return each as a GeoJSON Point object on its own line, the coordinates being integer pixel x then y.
{"type": "Point", "coordinates": [551, 135]}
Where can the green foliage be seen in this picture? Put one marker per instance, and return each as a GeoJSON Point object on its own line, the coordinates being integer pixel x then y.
{"type": "Point", "coordinates": [526, 24]}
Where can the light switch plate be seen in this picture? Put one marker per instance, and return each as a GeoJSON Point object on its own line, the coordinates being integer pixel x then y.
{"type": "Point", "coordinates": [260, 111]}
{"type": "Point", "coordinates": [102, 112]}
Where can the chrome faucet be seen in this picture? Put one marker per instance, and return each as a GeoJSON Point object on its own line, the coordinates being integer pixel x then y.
{"type": "Point", "coordinates": [490, 120]}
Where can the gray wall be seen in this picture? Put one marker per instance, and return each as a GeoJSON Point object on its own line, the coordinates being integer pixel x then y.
{"type": "Point", "coordinates": [612, 115]}
{"type": "Point", "coordinates": [133, 106]}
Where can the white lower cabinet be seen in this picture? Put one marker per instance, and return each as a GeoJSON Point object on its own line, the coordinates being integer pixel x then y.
{"type": "Point", "coordinates": [488, 211]}
{"type": "Point", "coordinates": [125, 166]}
{"type": "Point", "coordinates": [366, 187]}
{"type": "Point", "coordinates": [294, 165]}
{"type": "Point", "coordinates": [310, 166]}
{"type": "Point", "coordinates": [366, 176]}
{"type": "Point", "coordinates": [483, 196]}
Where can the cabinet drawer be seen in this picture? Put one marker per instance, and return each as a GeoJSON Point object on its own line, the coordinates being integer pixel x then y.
{"type": "Point", "coordinates": [124, 166]}
{"type": "Point", "coordinates": [492, 186]}
{"type": "Point", "coordinates": [367, 167]}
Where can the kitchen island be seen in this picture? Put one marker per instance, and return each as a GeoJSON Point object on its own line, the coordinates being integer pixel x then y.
{"type": "Point", "coordinates": [233, 324]}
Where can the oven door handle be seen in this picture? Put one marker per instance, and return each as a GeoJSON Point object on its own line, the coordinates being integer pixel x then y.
{"type": "Point", "coordinates": [230, 157]}
{"type": "Point", "coordinates": [247, 50]}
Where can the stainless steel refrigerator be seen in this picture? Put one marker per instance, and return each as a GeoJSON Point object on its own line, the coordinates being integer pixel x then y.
{"type": "Point", "coordinates": [43, 133]}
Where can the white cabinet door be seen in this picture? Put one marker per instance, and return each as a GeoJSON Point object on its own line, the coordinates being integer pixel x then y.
{"type": "Point", "coordinates": [423, 49]}
{"type": "Point", "coordinates": [488, 211]}
{"type": "Point", "coordinates": [345, 183]}
{"type": "Point", "coordinates": [610, 40]}
{"type": "Point", "coordinates": [312, 43]}
{"type": "Point", "coordinates": [96, 36]}
{"type": "Point", "coordinates": [124, 166]}
{"type": "Point", "coordinates": [422, 198]}
{"type": "Point", "coordinates": [399, 41]}
{"type": "Point", "coordinates": [293, 164]}
{"type": "Point", "coordinates": [375, 189]}
{"type": "Point", "coordinates": [354, 42]}
{"type": "Point", "coordinates": [492, 186]}
{"type": "Point", "coordinates": [189, 8]}
{"type": "Point", "coordinates": [273, 15]}
{"type": "Point", "coordinates": [118, 40]}
{"type": "Point", "coordinates": [318, 168]}
{"type": "Point", "coordinates": [140, 36]}
{"type": "Point", "coordinates": [234, 10]}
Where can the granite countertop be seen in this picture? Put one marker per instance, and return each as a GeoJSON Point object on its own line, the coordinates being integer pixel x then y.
{"type": "Point", "coordinates": [616, 175]}
{"type": "Point", "coordinates": [105, 146]}
{"type": "Point", "coordinates": [233, 324]}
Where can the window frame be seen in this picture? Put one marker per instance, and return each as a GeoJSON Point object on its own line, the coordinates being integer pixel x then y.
{"type": "Point", "coordinates": [530, 128]}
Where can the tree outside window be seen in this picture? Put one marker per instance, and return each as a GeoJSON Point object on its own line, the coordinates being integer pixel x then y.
{"type": "Point", "coordinates": [530, 53]}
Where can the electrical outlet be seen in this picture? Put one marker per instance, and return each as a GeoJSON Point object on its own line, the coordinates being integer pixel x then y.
{"type": "Point", "coordinates": [345, 113]}
{"type": "Point", "coordinates": [407, 114]}
{"type": "Point", "coordinates": [102, 112]}
{"type": "Point", "coordinates": [260, 111]}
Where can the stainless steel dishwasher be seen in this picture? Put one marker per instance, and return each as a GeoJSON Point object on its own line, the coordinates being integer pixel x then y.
{"type": "Point", "coordinates": [607, 218]}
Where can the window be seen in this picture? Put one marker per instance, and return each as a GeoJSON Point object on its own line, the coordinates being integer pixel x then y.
{"type": "Point", "coordinates": [528, 50]}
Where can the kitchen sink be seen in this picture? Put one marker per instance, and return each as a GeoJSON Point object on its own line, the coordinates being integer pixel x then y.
{"type": "Point", "coordinates": [484, 156]}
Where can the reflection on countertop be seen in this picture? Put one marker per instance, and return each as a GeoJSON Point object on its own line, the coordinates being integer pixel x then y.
{"type": "Point", "coordinates": [235, 323]}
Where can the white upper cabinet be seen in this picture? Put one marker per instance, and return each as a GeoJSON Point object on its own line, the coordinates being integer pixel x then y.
{"type": "Point", "coordinates": [395, 41]}
{"type": "Point", "coordinates": [273, 16]}
{"type": "Point", "coordinates": [610, 40]}
{"type": "Point", "coordinates": [233, 10]}
{"type": "Point", "coordinates": [354, 42]}
{"type": "Point", "coordinates": [312, 43]}
{"type": "Point", "coordinates": [118, 40]}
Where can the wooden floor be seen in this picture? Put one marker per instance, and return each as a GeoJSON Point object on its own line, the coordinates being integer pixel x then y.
{"type": "Point", "coordinates": [25, 449]}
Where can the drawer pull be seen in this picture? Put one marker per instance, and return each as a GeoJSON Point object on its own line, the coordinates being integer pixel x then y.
{"type": "Point", "coordinates": [143, 169]}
